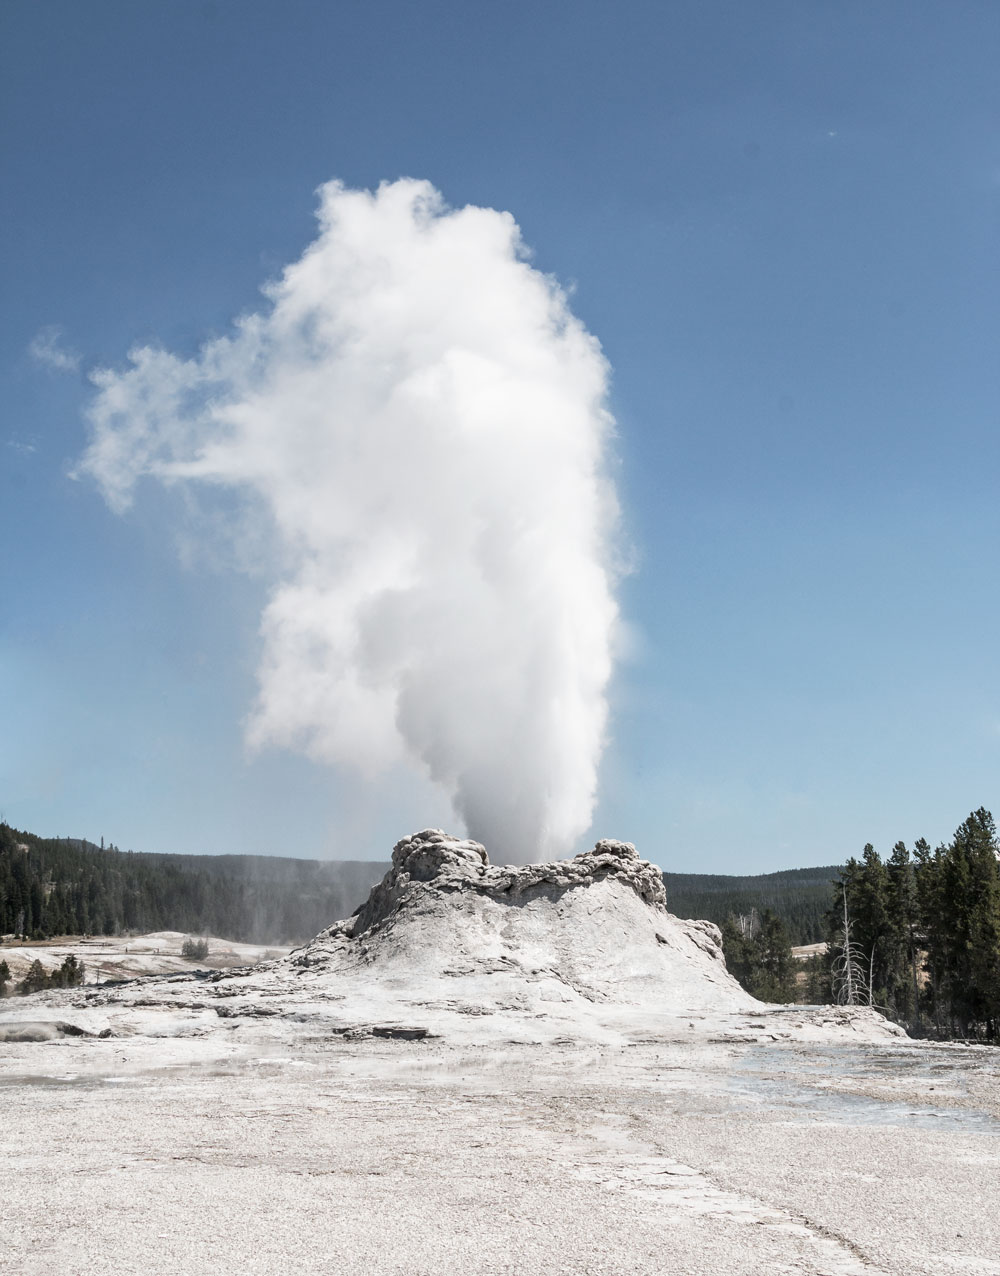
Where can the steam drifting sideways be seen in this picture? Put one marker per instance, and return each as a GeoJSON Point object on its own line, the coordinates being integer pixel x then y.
{"type": "Point", "coordinates": [419, 424]}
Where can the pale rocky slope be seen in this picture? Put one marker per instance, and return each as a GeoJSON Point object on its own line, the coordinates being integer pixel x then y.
{"type": "Point", "coordinates": [593, 929]}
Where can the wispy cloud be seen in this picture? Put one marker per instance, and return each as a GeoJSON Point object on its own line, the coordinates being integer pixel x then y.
{"type": "Point", "coordinates": [23, 447]}
{"type": "Point", "coordinates": [47, 349]}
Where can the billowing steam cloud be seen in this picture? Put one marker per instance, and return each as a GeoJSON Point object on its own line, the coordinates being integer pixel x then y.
{"type": "Point", "coordinates": [422, 422]}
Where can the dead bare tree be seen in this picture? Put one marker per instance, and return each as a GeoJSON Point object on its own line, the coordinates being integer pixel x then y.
{"type": "Point", "coordinates": [851, 986]}
{"type": "Point", "coordinates": [748, 923]}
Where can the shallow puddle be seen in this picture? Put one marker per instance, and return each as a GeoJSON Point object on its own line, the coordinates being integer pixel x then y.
{"type": "Point", "coordinates": [68, 1081]}
{"type": "Point", "coordinates": [763, 1079]}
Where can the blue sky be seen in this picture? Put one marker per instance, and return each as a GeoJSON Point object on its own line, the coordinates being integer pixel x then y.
{"type": "Point", "coordinates": [781, 220]}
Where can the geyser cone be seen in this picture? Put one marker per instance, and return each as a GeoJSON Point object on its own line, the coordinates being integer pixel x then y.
{"type": "Point", "coordinates": [594, 928]}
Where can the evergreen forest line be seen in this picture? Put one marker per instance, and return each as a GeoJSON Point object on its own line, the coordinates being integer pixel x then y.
{"type": "Point", "coordinates": [799, 897]}
{"type": "Point", "coordinates": [69, 886]}
{"type": "Point", "coordinates": [917, 936]}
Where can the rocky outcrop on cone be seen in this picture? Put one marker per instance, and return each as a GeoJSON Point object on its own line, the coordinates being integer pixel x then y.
{"type": "Point", "coordinates": [435, 861]}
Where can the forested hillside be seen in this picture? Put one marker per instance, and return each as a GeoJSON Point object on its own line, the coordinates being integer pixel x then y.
{"type": "Point", "coordinates": [799, 897]}
{"type": "Point", "coordinates": [57, 886]}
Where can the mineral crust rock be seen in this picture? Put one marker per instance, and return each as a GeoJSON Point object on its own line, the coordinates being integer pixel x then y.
{"type": "Point", "coordinates": [440, 862]}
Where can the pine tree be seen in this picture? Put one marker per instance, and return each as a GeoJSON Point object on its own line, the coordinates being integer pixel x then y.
{"type": "Point", "coordinates": [932, 934]}
{"type": "Point", "coordinates": [759, 956]}
{"type": "Point", "coordinates": [904, 991]}
{"type": "Point", "coordinates": [35, 980]}
{"type": "Point", "coordinates": [776, 964]}
{"type": "Point", "coordinates": [970, 900]}
{"type": "Point", "coordinates": [819, 987]}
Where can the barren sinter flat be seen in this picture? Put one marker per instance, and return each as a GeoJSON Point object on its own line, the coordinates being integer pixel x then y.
{"type": "Point", "coordinates": [489, 1069]}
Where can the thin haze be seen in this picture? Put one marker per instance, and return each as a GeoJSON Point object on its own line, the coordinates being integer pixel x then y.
{"type": "Point", "coordinates": [418, 424]}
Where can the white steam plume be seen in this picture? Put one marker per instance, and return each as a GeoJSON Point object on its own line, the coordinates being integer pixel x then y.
{"type": "Point", "coordinates": [423, 422]}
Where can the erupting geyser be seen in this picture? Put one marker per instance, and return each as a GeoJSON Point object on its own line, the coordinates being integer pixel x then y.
{"type": "Point", "coordinates": [418, 425]}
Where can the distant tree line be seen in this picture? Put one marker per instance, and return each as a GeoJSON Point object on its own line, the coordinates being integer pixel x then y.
{"type": "Point", "coordinates": [68, 886]}
{"type": "Point", "coordinates": [799, 897]}
{"type": "Point", "coordinates": [69, 975]}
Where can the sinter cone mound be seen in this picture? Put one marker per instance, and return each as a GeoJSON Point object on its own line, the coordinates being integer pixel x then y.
{"type": "Point", "coordinates": [595, 927]}
{"type": "Point", "coordinates": [580, 948]}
